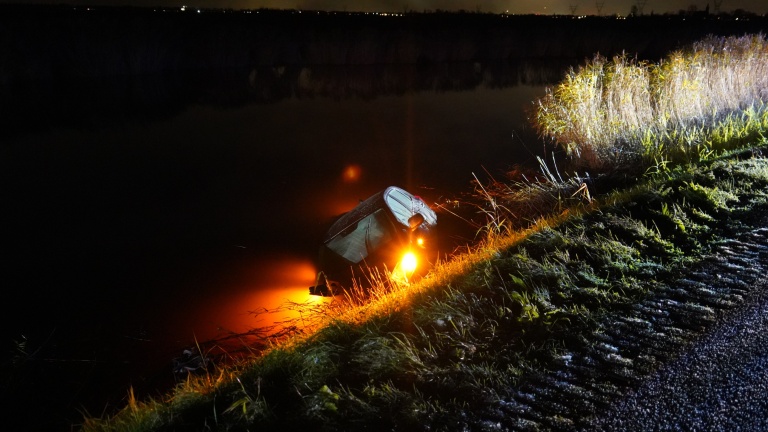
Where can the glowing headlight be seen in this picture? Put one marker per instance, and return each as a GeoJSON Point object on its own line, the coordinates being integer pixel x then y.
{"type": "Point", "coordinates": [408, 263]}
{"type": "Point", "coordinates": [404, 269]}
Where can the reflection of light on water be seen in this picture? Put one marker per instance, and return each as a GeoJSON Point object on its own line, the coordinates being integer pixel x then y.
{"type": "Point", "coordinates": [352, 173]}
{"type": "Point", "coordinates": [259, 298]}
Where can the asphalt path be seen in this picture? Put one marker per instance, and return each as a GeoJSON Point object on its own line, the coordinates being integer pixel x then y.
{"type": "Point", "coordinates": [718, 383]}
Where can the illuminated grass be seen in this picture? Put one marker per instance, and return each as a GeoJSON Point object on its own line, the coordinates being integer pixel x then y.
{"type": "Point", "coordinates": [558, 264]}
{"type": "Point", "coordinates": [609, 114]}
{"type": "Point", "coordinates": [473, 333]}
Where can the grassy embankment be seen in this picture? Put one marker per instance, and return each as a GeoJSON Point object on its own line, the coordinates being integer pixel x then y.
{"type": "Point", "coordinates": [560, 259]}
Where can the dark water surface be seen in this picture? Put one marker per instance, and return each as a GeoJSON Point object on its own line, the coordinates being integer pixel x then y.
{"type": "Point", "coordinates": [140, 217]}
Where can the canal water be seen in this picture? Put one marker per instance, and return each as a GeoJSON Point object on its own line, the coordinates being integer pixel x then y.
{"type": "Point", "coordinates": [145, 214]}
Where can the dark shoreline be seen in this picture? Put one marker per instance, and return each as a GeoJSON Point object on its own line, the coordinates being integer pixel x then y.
{"type": "Point", "coordinates": [66, 42]}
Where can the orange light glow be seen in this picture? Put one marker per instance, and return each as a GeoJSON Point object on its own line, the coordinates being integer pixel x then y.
{"type": "Point", "coordinates": [404, 269]}
{"type": "Point", "coordinates": [352, 173]}
{"type": "Point", "coordinates": [408, 263]}
{"type": "Point", "coordinates": [420, 242]}
{"type": "Point", "coordinates": [257, 299]}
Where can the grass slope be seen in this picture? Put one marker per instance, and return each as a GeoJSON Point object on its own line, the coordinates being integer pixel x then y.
{"type": "Point", "coordinates": [464, 353]}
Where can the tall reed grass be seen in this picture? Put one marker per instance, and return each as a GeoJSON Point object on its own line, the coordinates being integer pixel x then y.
{"type": "Point", "coordinates": [618, 113]}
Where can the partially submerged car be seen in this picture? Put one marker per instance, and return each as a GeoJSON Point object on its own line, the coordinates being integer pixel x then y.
{"type": "Point", "coordinates": [385, 229]}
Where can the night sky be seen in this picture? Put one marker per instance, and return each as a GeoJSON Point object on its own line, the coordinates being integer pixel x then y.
{"type": "Point", "coordinates": [609, 7]}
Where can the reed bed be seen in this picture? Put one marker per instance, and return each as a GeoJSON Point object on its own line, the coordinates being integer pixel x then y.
{"type": "Point", "coordinates": [624, 113]}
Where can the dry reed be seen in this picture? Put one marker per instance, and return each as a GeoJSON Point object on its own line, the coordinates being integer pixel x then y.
{"type": "Point", "coordinates": [619, 113]}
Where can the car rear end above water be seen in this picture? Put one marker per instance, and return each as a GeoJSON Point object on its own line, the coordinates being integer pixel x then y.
{"type": "Point", "coordinates": [387, 231]}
